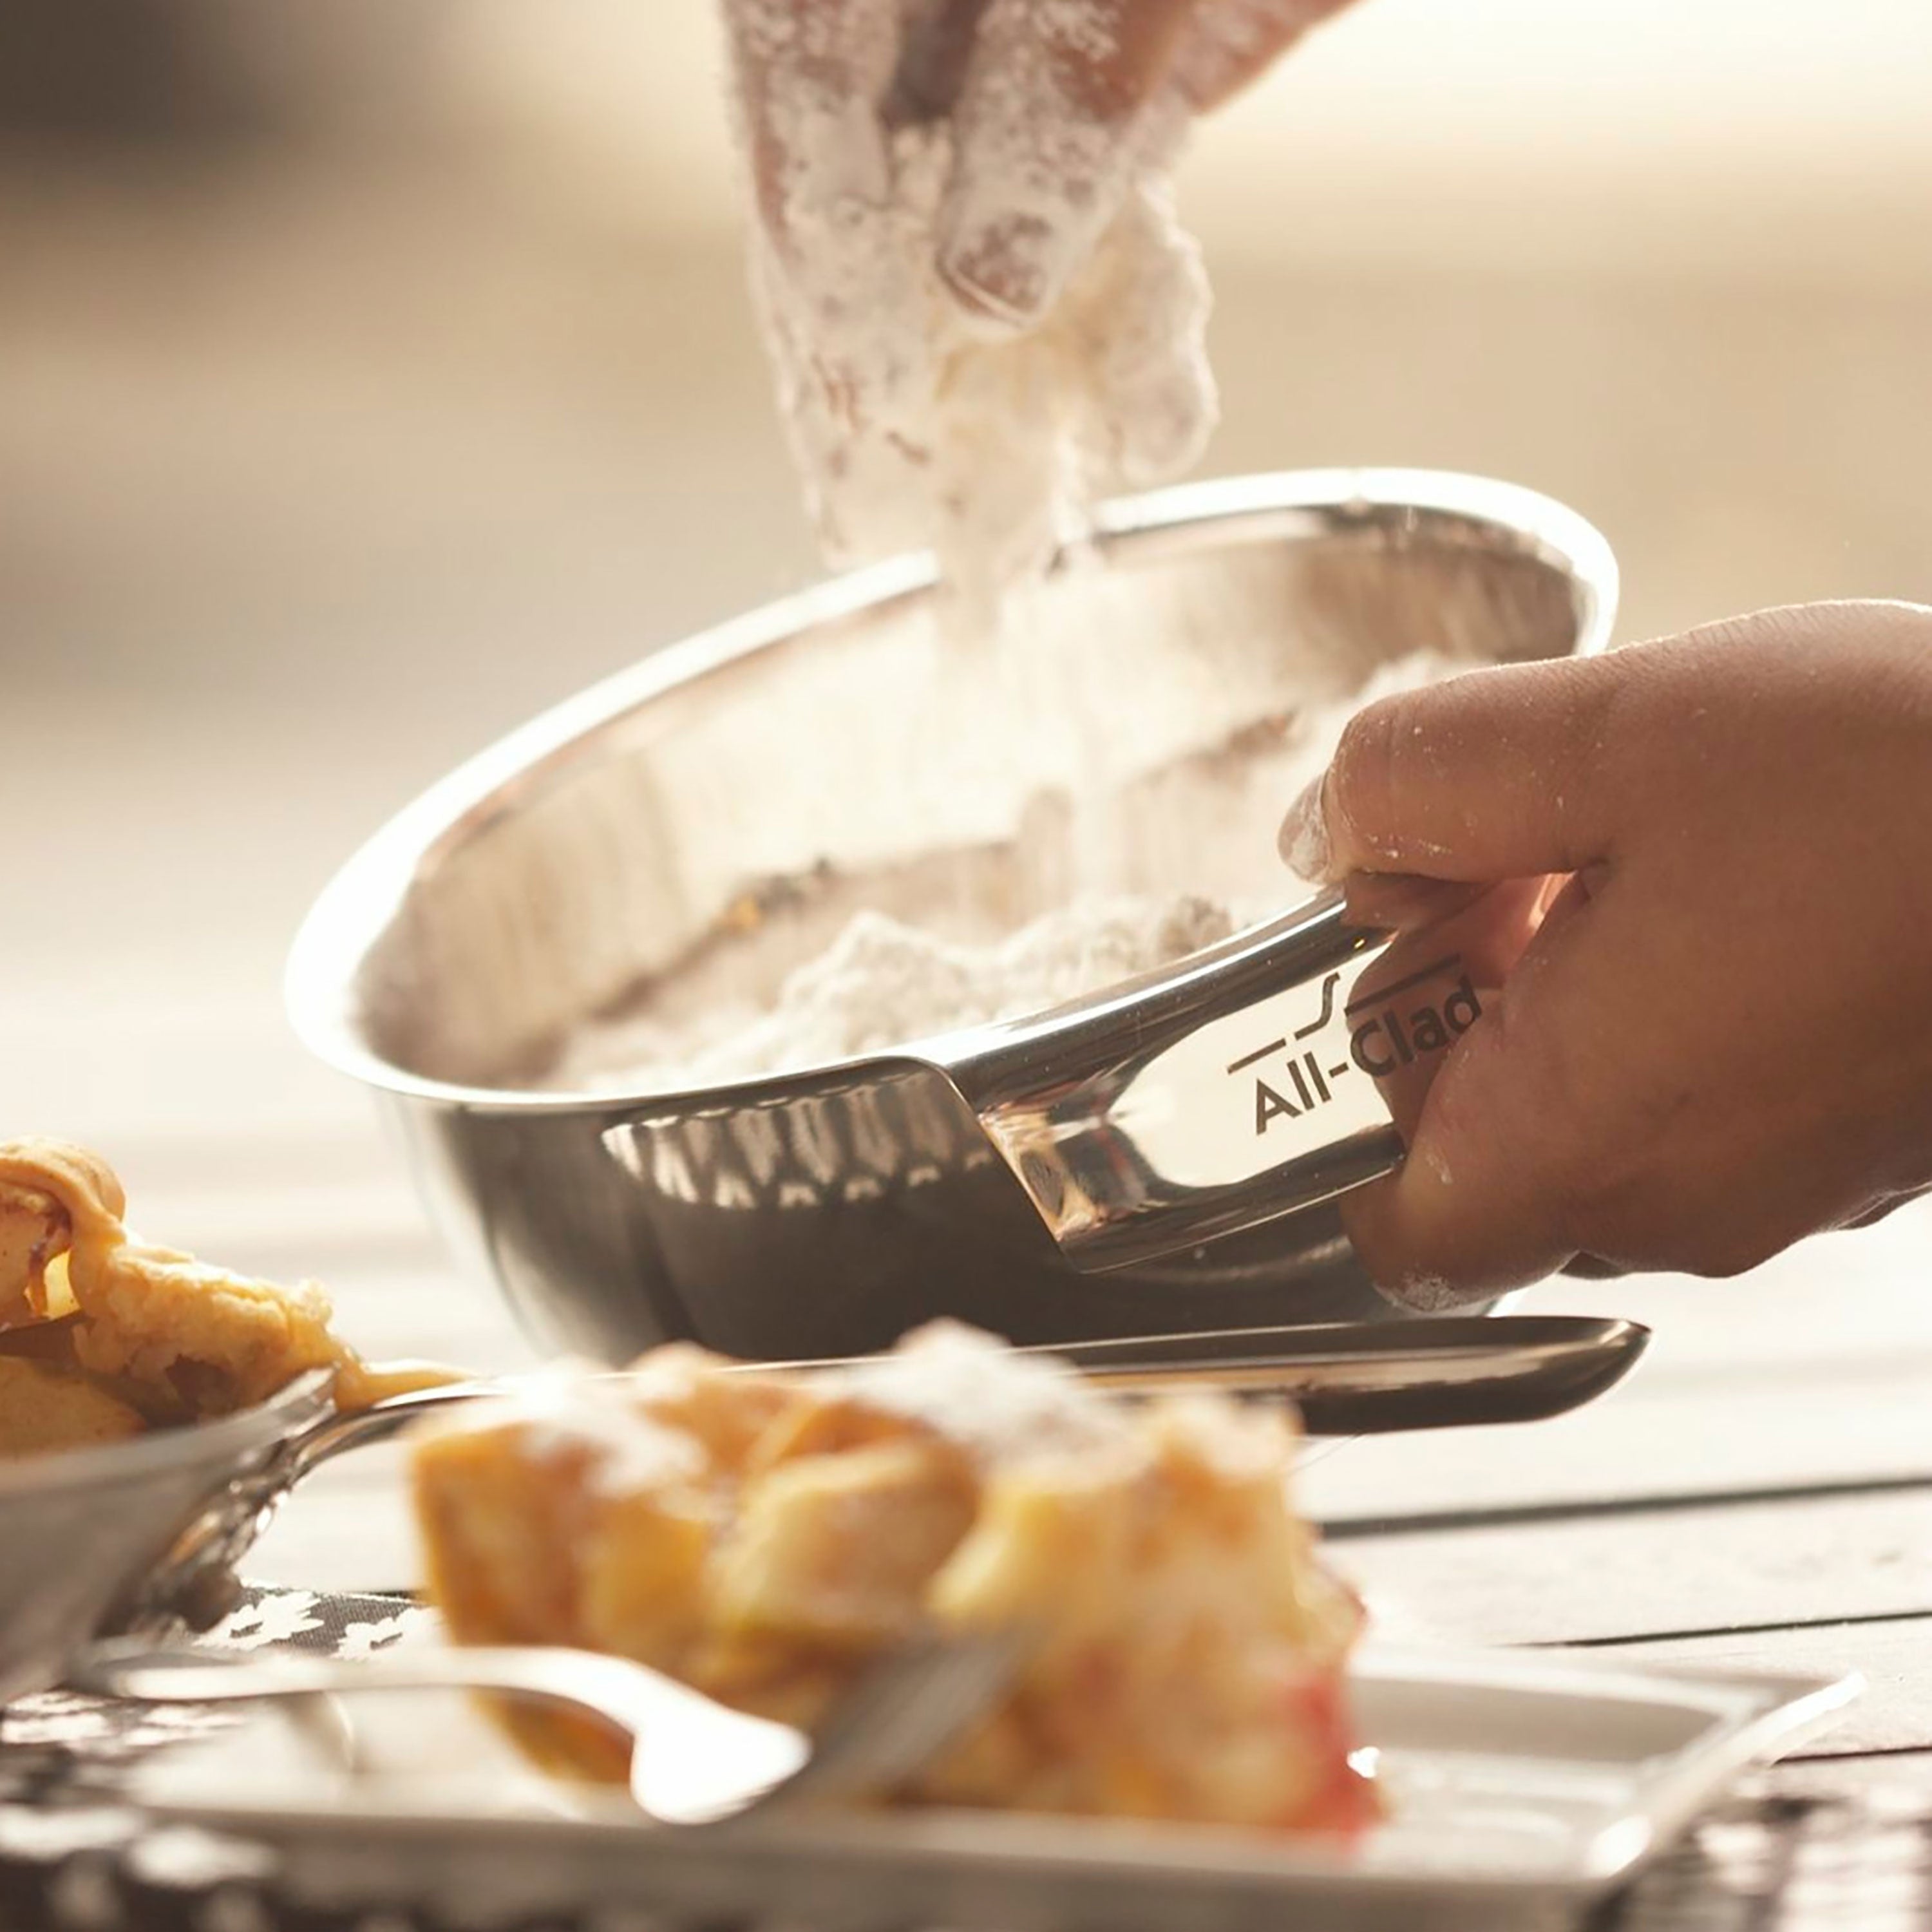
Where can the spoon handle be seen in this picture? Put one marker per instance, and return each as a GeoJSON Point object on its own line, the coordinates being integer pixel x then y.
{"type": "Point", "coordinates": [692, 1759]}
{"type": "Point", "coordinates": [340, 1429]}
{"type": "Point", "coordinates": [1347, 1379]}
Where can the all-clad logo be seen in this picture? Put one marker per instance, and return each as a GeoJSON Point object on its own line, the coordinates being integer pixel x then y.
{"type": "Point", "coordinates": [1388, 1028]}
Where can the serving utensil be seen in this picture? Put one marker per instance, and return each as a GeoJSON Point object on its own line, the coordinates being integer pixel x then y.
{"type": "Point", "coordinates": [692, 1760]}
{"type": "Point", "coordinates": [1344, 1378]}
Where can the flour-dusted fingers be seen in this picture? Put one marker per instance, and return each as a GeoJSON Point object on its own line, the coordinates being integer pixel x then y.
{"type": "Point", "coordinates": [1493, 779]}
{"type": "Point", "coordinates": [1229, 43]}
{"type": "Point", "coordinates": [811, 76]}
{"type": "Point", "coordinates": [1500, 773]}
{"type": "Point", "coordinates": [1507, 775]}
{"type": "Point", "coordinates": [1051, 121]}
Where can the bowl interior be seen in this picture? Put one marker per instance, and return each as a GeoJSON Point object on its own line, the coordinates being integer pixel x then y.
{"type": "Point", "coordinates": [1138, 729]}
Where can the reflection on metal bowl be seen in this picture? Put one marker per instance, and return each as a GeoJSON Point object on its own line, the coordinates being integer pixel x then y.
{"type": "Point", "coordinates": [839, 749]}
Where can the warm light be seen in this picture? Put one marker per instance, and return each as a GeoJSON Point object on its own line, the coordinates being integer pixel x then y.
{"type": "Point", "coordinates": [1728, 134]}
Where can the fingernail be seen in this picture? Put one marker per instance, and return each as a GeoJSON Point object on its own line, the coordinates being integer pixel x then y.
{"type": "Point", "coordinates": [1304, 841]}
{"type": "Point", "coordinates": [1024, 209]}
{"type": "Point", "coordinates": [1005, 269]}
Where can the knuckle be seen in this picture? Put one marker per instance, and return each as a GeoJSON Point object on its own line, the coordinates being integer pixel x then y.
{"type": "Point", "coordinates": [1719, 1253]}
{"type": "Point", "coordinates": [1645, 1223]}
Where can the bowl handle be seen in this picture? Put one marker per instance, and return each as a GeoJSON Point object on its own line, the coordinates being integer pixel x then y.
{"type": "Point", "coordinates": [1251, 1082]}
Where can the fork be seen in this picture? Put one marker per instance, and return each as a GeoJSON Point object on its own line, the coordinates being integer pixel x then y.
{"type": "Point", "coordinates": [694, 1760]}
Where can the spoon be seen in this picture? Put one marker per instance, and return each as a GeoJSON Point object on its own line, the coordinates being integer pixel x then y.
{"type": "Point", "coordinates": [692, 1760]}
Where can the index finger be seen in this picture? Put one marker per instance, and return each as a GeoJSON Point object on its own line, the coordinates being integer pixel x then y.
{"type": "Point", "coordinates": [1496, 774]}
{"type": "Point", "coordinates": [809, 75]}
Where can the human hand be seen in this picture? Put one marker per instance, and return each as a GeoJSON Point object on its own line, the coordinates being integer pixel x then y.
{"type": "Point", "coordinates": [1052, 103]}
{"type": "Point", "coordinates": [1717, 1037]}
{"type": "Point", "coordinates": [983, 316]}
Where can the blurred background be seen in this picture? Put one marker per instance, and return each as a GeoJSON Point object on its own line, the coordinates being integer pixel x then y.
{"type": "Point", "coordinates": [374, 371]}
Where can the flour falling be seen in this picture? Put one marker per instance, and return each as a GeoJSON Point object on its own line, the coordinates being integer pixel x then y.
{"type": "Point", "coordinates": [915, 424]}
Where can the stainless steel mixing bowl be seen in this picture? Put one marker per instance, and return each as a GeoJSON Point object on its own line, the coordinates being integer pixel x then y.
{"type": "Point", "coordinates": [688, 831]}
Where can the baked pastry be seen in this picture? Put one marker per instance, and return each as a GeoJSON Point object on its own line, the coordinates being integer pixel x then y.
{"type": "Point", "coordinates": [106, 1335]}
{"type": "Point", "coordinates": [762, 1535]}
{"type": "Point", "coordinates": [48, 1404]}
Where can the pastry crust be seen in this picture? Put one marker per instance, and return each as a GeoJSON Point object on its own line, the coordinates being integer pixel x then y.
{"type": "Point", "coordinates": [143, 1330]}
{"type": "Point", "coordinates": [44, 1407]}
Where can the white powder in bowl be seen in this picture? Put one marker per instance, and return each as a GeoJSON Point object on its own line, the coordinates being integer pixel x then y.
{"type": "Point", "coordinates": [882, 983]}
{"type": "Point", "coordinates": [915, 426]}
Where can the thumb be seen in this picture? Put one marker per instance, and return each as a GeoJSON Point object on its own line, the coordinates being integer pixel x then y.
{"type": "Point", "coordinates": [1049, 126]}
{"type": "Point", "coordinates": [1492, 774]}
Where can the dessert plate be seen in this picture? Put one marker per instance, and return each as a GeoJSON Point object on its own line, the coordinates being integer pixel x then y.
{"type": "Point", "coordinates": [1521, 1787]}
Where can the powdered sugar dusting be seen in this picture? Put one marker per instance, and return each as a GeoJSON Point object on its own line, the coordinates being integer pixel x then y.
{"type": "Point", "coordinates": [566, 1410]}
{"type": "Point", "coordinates": [999, 1406]}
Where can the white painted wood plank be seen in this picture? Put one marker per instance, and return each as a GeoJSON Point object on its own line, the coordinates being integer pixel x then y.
{"type": "Point", "coordinates": [1823, 1423]}
{"type": "Point", "coordinates": [1651, 1575]}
